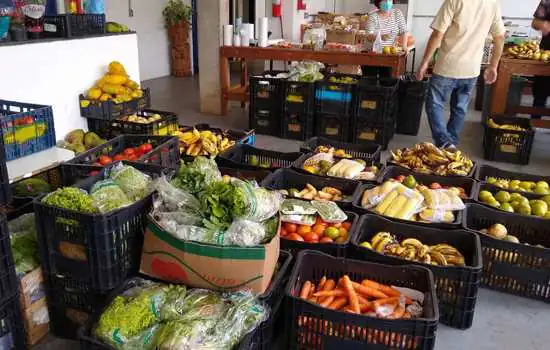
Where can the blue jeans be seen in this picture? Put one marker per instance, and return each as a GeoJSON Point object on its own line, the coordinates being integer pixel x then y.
{"type": "Point", "coordinates": [440, 89]}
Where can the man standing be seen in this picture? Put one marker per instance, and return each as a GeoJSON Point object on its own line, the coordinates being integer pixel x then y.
{"type": "Point", "coordinates": [459, 30]}
{"type": "Point", "coordinates": [541, 84]}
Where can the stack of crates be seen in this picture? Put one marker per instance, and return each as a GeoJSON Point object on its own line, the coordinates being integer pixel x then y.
{"type": "Point", "coordinates": [375, 113]}
{"type": "Point", "coordinates": [298, 106]}
{"type": "Point", "coordinates": [265, 109]}
{"type": "Point", "coordinates": [334, 101]}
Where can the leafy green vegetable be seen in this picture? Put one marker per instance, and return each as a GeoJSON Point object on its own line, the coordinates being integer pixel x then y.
{"type": "Point", "coordinates": [132, 181]}
{"type": "Point", "coordinates": [71, 198]}
{"type": "Point", "coordinates": [220, 203]}
{"type": "Point", "coordinates": [195, 176]}
{"type": "Point", "coordinates": [108, 196]}
{"type": "Point", "coordinates": [24, 244]}
{"type": "Point", "coordinates": [32, 187]}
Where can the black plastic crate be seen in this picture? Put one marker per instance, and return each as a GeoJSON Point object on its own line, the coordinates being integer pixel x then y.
{"type": "Point", "coordinates": [298, 97]}
{"type": "Point", "coordinates": [365, 132]}
{"type": "Point", "coordinates": [5, 188]}
{"type": "Point", "coordinates": [284, 179]}
{"type": "Point", "coordinates": [165, 152]}
{"type": "Point", "coordinates": [98, 250]}
{"type": "Point", "coordinates": [469, 185]}
{"type": "Point", "coordinates": [109, 110]}
{"type": "Point", "coordinates": [12, 330]}
{"type": "Point", "coordinates": [310, 326]}
{"type": "Point", "coordinates": [520, 269]}
{"type": "Point", "coordinates": [456, 287]}
{"type": "Point", "coordinates": [267, 92]}
{"type": "Point", "coordinates": [8, 281]}
{"type": "Point", "coordinates": [297, 126]}
{"type": "Point", "coordinates": [241, 156]}
{"type": "Point", "coordinates": [73, 25]}
{"type": "Point", "coordinates": [339, 250]}
{"type": "Point", "coordinates": [265, 121]}
{"type": "Point", "coordinates": [494, 190]}
{"type": "Point", "coordinates": [366, 151]}
{"type": "Point", "coordinates": [457, 223]}
{"type": "Point", "coordinates": [335, 98]}
{"type": "Point", "coordinates": [471, 174]}
{"type": "Point", "coordinates": [26, 128]}
{"type": "Point", "coordinates": [65, 321]}
{"type": "Point", "coordinates": [377, 100]}
{"type": "Point", "coordinates": [508, 146]}
{"type": "Point", "coordinates": [249, 175]}
{"type": "Point", "coordinates": [167, 125]}
{"type": "Point", "coordinates": [412, 96]}
{"type": "Point", "coordinates": [262, 338]}
{"type": "Point", "coordinates": [485, 171]}
{"type": "Point", "coordinates": [298, 165]}
{"type": "Point", "coordinates": [332, 126]}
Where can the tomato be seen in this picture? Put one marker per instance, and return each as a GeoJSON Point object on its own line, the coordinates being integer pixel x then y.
{"type": "Point", "coordinates": [146, 148]}
{"type": "Point", "coordinates": [346, 225]}
{"type": "Point", "coordinates": [294, 237]}
{"type": "Point", "coordinates": [343, 232]}
{"type": "Point", "coordinates": [340, 240]}
{"type": "Point", "coordinates": [128, 152]}
{"type": "Point", "coordinates": [119, 157]}
{"type": "Point", "coordinates": [104, 160]}
{"type": "Point", "coordinates": [94, 173]}
{"type": "Point", "coordinates": [282, 232]}
{"type": "Point", "coordinates": [400, 178]}
{"type": "Point", "coordinates": [137, 151]}
{"type": "Point", "coordinates": [132, 158]}
{"type": "Point", "coordinates": [311, 237]}
{"type": "Point", "coordinates": [290, 228]}
{"type": "Point", "coordinates": [320, 221]}
{"type": "Point", "coordinates": [338, 225]}
{"type": "Point", "coordinates": [326, 240]}
{"type": "Point", "coordinates": [319, 229]}
{"type": "Point", "coordinates": [303, 230]}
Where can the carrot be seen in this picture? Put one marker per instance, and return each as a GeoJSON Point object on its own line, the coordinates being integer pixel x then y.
{"type": "Point", "coordinates": [322, 282]}
{"type": "Point", "coordinates": [365, 307]}
{"type": "Point", "coordinates": [338, 303]}
{"type": "Point", "coordinates": [389, 291]}
{"type": "Point", "coordinates": [331, 293]}
{"type": "Point", "coordinates": [329, 285]}
{"type": "Point", "coordinates": [362, 300]}
{"type": "Point", "coordinates": [325, 302]}
{"type": "Point", "coordinates": [306, 289]}
{"type": "Point", "coordinates": [314, 300]}
{"type": "Point", "coordinates": [386, 301]}
{"type": "Point", "coordinates": [397, 313]}
{"type": "Point", "coordinates": [347, 309]}
{"type": "Point", "coordinates": [368, 292]}
{"type": "Point", "coordinates": [353, 301]}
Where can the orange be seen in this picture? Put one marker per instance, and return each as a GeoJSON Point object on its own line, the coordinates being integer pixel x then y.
{"type": "Point", "coordinates": [290, 228]}
{"type": "Point", "coordinates": [346, 225]}
{"type": "Point", "coordinates": [319, 229]}
{"type": "Point", "coordinates": [341, 240]}
{"type": "Point", "coordinates": [303, 230]}
{"type": "Point", "coordinates": [311, 237]}
{"type": "Point", "coordinates": [294, 237]}
{"type": "Point", "coordinates": [343, 232]}
{"type": "Point", "coordinates": [326, 240]}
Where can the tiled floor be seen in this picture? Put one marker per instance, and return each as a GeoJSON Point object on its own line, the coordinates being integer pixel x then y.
{"type": "Point", "coordinates": [502, 321]}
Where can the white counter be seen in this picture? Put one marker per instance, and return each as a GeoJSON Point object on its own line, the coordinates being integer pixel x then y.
{"type": "Point", "coordinates": [56, 72]}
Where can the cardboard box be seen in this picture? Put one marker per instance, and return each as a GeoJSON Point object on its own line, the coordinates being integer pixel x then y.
{"type": "Point", "coordinates": [207, 265]}
{"type": "Point", "coordinates": [341, 36]}
{"type": "Point", "coordinates": [31, 288]}
{"type": "Point", "coordinates": [36, 320]}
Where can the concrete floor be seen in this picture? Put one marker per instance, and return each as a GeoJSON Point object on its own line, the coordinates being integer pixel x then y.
{"type": "Point", "coordinates": [502, 321]}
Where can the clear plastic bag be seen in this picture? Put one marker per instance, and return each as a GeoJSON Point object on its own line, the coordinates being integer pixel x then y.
{"type": "Point", "coordinates": [443, 200]}
{"type": "Point", "coordinates": [24, 243]}
{"type": "Point", "coordinates": [244, 233]}
{"type": "Point", "coordinates": [194, 177]}
{"type": "Point", "coordinates": [262, 204]}
{"type": "Point", "coordinates": [132, 181]}
{"type": "Point", "coordinates": [171, 198]}
{"type": "Point", "coordinates": [377, 45]}
{"type": "Point", "coordinates": [108, 196]}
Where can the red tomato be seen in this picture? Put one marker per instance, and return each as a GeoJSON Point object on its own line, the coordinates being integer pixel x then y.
{"type": "Point", "coordinates": [133, 158]}
{"type": "Point", "coordinates": [346, 225]}
{"type": "Point", "coordinates": [290, 228]}
{"type": "Point", "coordinates": [119, 157]}
{"type": "Point", "coordinates": [320, 221]}
{"type": "Point", "coordinates": [104, 160]}
{"type": "Point", "coordinates": [146, 148]}
{"type": "Point", "coordinates": [294, 237]}
{"type": "Point", "coordinates": [326, 240]}
{"type": "Point", "coordinates": [94, 173]}
{"type": "Point", "coordinates": [311, 237]}
{"type": "Point", "coordinates": [282, 232]}
{"type": "Point", "coordinates": [338, 225]}
{"type": "Point", "coordinates": [137, 151]}
{"type": "Point", "coordinates": [128, 152]}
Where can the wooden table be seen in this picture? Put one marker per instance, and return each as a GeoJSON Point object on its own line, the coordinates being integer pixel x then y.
{"type": "Point", "coordinates": [507, 68]}
{"type": "Point", "coordinates": [240, 93]}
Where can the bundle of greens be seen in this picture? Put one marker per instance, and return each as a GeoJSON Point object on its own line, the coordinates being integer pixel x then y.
{"type": "Point", "coordinates": [132, 181]}
{"type": "Point", "coordinates": [195, 176]}
{"type": "Point", "coordinates": [71, 198]}
{"type": "Point", "coordinates": [108, 196]}
{"type": "Point", "coordinates": [220, 203]}
{"type": "Point", "coordinates": [24, 244]}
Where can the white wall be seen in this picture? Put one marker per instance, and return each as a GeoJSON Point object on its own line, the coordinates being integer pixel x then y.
{"type": "Point", "coordinates": [63, 70]}
{"type": "Point", "coordinates": [154, 48]}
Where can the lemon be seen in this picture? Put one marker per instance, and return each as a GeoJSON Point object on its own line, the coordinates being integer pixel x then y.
{"type": "Point", "coordinates": [94, 93]}
{"type": "Point", "coordinates": [366, 245]}
{"type": "Point", "coordinates": [387, 50]}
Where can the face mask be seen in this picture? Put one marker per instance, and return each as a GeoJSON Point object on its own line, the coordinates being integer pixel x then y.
{"type": "Point", "coordinates": [386, 6]}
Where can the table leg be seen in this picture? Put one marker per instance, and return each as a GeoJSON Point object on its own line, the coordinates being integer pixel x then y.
{"type": "Point", "coordinates": [500, 91]}
{"type": "Point", "coordinates": [244, 78]}
{"type": "Point", "coordinates": [224, 83]}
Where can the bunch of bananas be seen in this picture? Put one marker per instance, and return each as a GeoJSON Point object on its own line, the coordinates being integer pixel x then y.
{"type": "Point", "coordinates": [529, 50]}
{"type": "Point", "coordinates": [414, 250]}
{"type": "Point", "coordinates": [335, 152]}
{"type": "Point", "coordinates": [426, 158]}
{"type": "Point", "coordinates": [202, 143]}
{"type": "Point", "coordinates": [492, 124]}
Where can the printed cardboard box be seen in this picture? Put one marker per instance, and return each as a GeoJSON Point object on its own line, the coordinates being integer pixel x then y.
{"type": "Point", "coordinates": [31, 288]}
{"type": "Point", "coordinates": [37, 322]}
{"type": "Point", "coordinates": [207, 265]}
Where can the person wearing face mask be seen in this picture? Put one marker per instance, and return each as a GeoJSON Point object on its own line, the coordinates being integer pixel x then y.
{"type": "Point", "coordinates": [541, 84]}
{"type": "Point", "coordinates": [391, 24]}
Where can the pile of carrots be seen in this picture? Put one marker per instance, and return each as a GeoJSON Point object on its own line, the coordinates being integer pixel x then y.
{"type": "Point", "coordinates": [366, 298]}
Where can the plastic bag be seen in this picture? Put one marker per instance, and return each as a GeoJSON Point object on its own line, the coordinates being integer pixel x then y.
{"type": "Point", "coordinates": [24, 244]}
{"type": "Point", "coordinates": [108, 196]}
{"type": "Point", "coordinates": [182, 335]}
{"type": "Point", "coordinates": [244, 233]}
{"type": "Point", "coordinates": [261, 204]}
{"type": "Point", "coordinates": [442, 199]}
{"type": "Point", "coordinates": [171, 198]}
{"type": "Point", "coordinates": [195, 176]}
{"type": "Point", "coordinates": [306, 71]}
{"type": "Point", "coordinates": [202, 304]}
{"type": "Point", "coordinates": [132, 181]}
{"type": "Point", "coordinates": [377, 194]}
{"type": "Point", "coordinates": [436, 216]}
{"type": "Point", "coordinates": [377, 45]}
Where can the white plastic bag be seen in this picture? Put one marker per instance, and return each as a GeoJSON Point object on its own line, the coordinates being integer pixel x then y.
{"type": "Point", "coordinates": [377, 45]}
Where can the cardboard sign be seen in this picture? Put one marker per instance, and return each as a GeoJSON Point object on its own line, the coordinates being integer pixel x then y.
{"type": "Point", "coordinates": [207, 266]}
